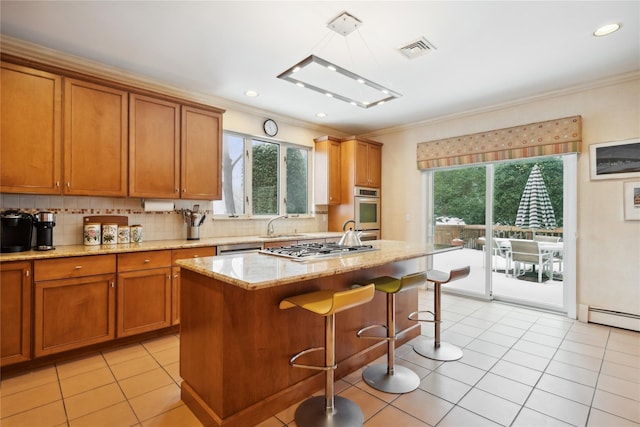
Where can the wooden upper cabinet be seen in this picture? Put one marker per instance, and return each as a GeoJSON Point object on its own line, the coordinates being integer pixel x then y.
{"type": "Point", "coordinates": [95, 139]}
{"type": "Point", "coordinates": [31, 130]}
{"type": "Point", "coordinates": [327, 171]}
{"type": "Point", "coordinates": [201, 151]}
{"type": "Point", "coordinates": [368, 163]}
{"type": "Point", "coordinates": [154, 147]}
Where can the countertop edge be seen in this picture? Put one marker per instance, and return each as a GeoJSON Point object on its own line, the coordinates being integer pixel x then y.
{"type": "Point", "coordinates": [65, 251]}
{"type": "Point", "coordinates": [389, 251]}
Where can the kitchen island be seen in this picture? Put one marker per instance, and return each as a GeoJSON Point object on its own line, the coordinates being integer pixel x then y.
{"type": "Point", "coordinates": [235, 343]}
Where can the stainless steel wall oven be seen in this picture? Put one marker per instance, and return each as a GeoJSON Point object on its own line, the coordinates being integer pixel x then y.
{"type": "Point", "coordinates": [367, 208]}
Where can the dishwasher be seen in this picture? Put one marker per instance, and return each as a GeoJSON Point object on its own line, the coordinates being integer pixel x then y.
{"type": "Point", "coordinates": [238, 248]}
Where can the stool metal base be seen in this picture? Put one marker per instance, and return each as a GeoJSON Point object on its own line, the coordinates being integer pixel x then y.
{"type": "Point", "coordinates": [445, 352]}
{"type": "Point", "coordinates": [403, 379]}
{"type": "Point", "coordinates": [312, 413]}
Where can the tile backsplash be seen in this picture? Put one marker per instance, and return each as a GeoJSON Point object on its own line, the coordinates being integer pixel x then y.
{"type": "Point", "coordinates": [70, 210]}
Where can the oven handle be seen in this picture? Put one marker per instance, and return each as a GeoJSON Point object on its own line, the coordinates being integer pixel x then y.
{"type": "Point", "coordinates": [369, 235]}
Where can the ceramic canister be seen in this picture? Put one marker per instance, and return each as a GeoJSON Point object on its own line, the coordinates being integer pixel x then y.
{"type": "Point", "coordinates": [136, 233]}
{"type": "Point", "coordinates": [123, 234]}
{"type": "Point", "coordinates": [91, 234]}
{"type": "Point", "coordinates": [109, 234]}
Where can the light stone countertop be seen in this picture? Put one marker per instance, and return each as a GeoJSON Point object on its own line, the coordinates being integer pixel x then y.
{"type": "Point", "coordinates": [254, 271]}
{"type": "Point", "coordinates": [154, 245]}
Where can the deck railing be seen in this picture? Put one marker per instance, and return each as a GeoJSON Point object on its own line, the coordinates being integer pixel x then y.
{"type": "Point", "coordinates": [470, 235]}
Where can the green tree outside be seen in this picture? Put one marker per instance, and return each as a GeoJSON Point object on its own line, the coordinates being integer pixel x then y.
{"type": "Point", "coordinates": [460, 193]}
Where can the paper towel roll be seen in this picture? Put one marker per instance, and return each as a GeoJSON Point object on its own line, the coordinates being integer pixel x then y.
{"type": "Point", "coordinates": [157, 206]}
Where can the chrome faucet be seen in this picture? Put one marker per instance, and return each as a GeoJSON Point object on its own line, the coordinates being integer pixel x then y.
{"type": "Point", "coordinates": [270, 223]}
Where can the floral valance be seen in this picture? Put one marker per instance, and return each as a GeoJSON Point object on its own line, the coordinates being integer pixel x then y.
{"type": "Point", "coordinates": [551, 137]}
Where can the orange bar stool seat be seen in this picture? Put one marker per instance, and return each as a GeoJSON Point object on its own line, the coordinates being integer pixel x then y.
{"type": "Point", "coordinates": [435, 349]}
{"type": "Point", "coordinates": [388, 377]}
{"type": "Point", "coordinates": [328, 410]}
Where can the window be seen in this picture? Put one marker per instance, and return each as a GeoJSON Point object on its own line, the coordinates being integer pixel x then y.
{"type": "Point", "coordinates": [261, 177]}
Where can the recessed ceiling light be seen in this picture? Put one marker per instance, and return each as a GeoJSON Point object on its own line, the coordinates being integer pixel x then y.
{"type": "Point", "coordinates": [605, 30]}
{"type": "Point", "coordinates": [321, 115]}
{"type": "Point", "coordinates": [251, 93]}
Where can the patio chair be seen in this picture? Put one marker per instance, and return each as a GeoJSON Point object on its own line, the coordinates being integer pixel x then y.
{"type": "Point", "coordinates": [528, 252]}
{"type": "Point", "coordinates": [501, 252]}
{"type": "Point", "coordinates": [557, 256]}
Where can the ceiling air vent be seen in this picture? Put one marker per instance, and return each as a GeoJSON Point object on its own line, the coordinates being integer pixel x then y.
{"type": "Point", "coordinates": [417, 48]}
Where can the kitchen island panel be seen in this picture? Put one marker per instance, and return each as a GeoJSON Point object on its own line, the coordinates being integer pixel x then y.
{"type": "Point", "coordinates": [236, 343]}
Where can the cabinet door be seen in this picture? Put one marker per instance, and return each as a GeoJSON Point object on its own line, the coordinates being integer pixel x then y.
{"type": "Point", "coordinates": [31, 131]}
{"type": "Point", "coordinates": [154, 147]}
{"type": "Point", "coordinates": [15, 312]}
{"type": "Point", "coordinates": [175, 295]}
{"type": "Point", "coordinates": [374, 162]}
{"type": "Point", "coordinates": [362, 164]}
{"type": "Point", "coordinates": [177, 254]}
{"type": "Point", "coordinates": [201, 154]}
{"type": "Point", "coordinates": [95, 140]}
{"type": "Point", "coordinates": [328, 177]}
{"type": "Point", "coordinates": [73, 313]}
{"type": "Point", "coordinates": [144, 301]}
{"type": "Point", "coordinates": [368, 164]}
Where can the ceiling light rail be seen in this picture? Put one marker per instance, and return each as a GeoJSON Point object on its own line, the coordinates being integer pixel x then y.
{"type": "Point", "coordinates": [385, 94]}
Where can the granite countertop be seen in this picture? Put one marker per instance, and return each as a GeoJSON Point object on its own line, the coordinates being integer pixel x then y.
{"type": "Point", "coordinates": [254, 271]}
{"type": "Point", "coordinates": [153, 245]}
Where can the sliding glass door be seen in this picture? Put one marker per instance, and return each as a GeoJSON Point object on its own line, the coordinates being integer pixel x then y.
{"type": "Point", "coordinates": [511, 220]}
{"type": "Point", "coordinates": [459, 206]}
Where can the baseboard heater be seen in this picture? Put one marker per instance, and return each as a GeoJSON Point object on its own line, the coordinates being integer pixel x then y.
{"type": "Point", "coordinates": [613, 318]}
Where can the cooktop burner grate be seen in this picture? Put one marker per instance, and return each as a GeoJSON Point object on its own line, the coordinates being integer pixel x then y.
{"type": "Point", "coordinates": [310, 251]}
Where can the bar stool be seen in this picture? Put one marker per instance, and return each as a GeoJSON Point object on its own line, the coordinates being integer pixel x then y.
{"type": "Point", "coordinates": [434, 349]}
{"type": "Point", "coordinates": [328, 410]}
{"type": "Point", "coordinates": [390, 378]}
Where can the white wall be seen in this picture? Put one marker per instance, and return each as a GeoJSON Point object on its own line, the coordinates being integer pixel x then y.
{"type": "Point", "coordinates": [608, 248]}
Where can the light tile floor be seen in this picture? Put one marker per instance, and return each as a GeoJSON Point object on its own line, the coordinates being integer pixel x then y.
{"type": "Point", "coordinates": [520, 367]}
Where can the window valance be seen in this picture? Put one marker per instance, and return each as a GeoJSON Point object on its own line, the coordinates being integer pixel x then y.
{"type": "Point", "coordinates": [550, 137]}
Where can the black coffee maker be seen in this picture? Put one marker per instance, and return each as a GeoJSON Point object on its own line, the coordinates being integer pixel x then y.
{"type": "Point", "coordinates": [16, 229]}
{"type": "Point", "coordinates": [44, 223]}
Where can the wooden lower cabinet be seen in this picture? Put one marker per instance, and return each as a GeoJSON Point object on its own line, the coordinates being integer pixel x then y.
{"type": "Point", "coordinates": [144, 301]}
{"type": "Point", "coordinates": [175, 295]}
{"type": "Point", "coordinates": [15, 312]}
{"type": "Point", "coordinates": [74, 302]}
{"type": "Point", "coordinates": [144, 292]}
{"type": "Point", "coordinates": [73, 313]}
{"type": "Point", "coordinates": [177, 254]}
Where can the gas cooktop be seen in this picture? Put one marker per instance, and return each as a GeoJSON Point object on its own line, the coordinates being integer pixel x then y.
{"type": "Point", "coordinates": [312, 251]}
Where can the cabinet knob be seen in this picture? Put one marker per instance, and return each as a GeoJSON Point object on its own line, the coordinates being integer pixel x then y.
{"type": "Point", "coordinates": [196, 256]}
{"type": "Point", "coordinates": [78, 267]}
{"type": "Point", "coordinates": [113, 284]}
{"type": "Point", "coordinates": [146, 261]}
{"type": "Point", "coordinates": [26, 273]}
{"type": "Point", "coordinates": [68, 184]}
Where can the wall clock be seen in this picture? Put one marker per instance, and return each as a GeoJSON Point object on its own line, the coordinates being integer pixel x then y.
{"type": "Point", "coordinates": [270, 127]}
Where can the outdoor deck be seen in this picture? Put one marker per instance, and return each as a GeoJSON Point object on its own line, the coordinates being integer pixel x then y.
{"type": "Point", "coordinates": [548, 293]}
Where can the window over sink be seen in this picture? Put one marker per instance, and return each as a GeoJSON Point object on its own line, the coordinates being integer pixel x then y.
{"type": "Point", "coordinates": [262, 177]}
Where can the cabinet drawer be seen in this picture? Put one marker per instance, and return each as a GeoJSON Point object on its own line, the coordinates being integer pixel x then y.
{"type": "Point", "coordinates": [143, 260]}
{"type": "Point", "coordinates": [65, 268]}
{"type": "Point", "coordinates": [177, 254]}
